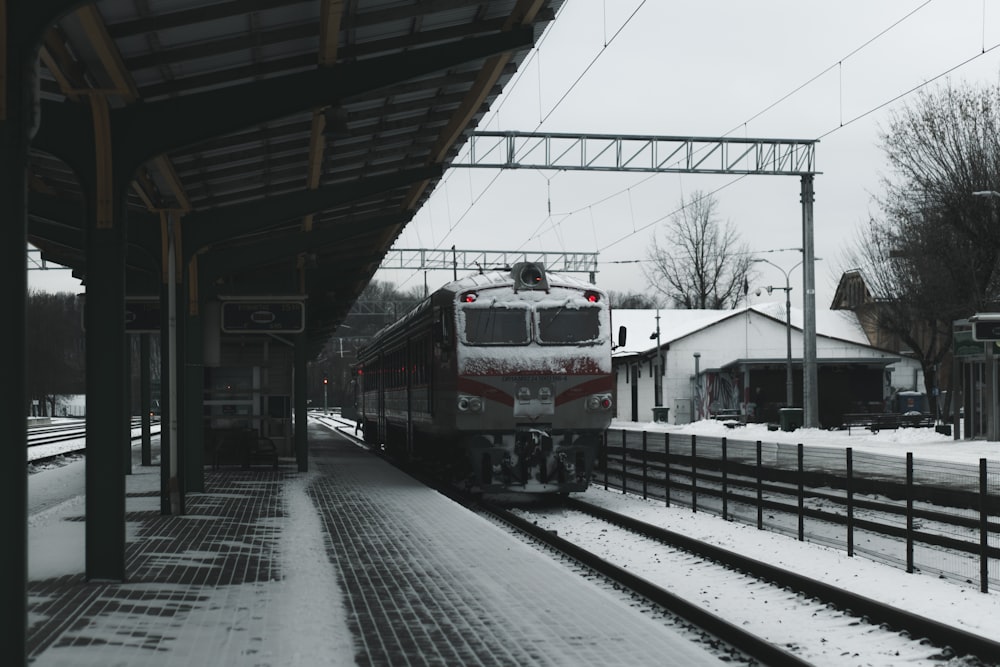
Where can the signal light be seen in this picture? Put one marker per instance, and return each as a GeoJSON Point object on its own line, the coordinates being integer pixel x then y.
{"type": "Point", "coordinates": [469, 297]}
{"type": "Point", "coordinates": [530, 276]}
{"type": "Point", "coordinates": [592, 297]}
{"type": "Point", "coordinates": [325, 380]}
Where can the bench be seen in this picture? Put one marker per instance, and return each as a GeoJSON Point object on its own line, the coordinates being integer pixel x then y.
{"type": "Point", "coordinates": [877, 421]}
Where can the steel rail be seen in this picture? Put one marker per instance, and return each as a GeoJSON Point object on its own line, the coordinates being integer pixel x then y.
{"type": "Point", "coordinates": [961, 641]}
{"type": "Point", "coordinates": [733, 635]}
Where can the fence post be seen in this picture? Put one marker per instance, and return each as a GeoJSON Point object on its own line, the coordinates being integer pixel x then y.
{"type": "Point", "coordinates": [644, 452]}
{"type": "Point", "coordinates": [725, 503]}
{"type": "Point", "coordinates": [909, 511]}
{"type": "Point", "coordinates": [802, 495]}
{"type": "Point", "coordinates": [850, 502]}
{"type": "Point", "coordinates": [694, 473]}
{"type": "Point", "coordinates": [624, 466]}
{"type": "Point", "coordinates": [666, 477]}
{"type": "Point", "coordinates": [606, 460]}
{"type": "Point", "coordinates": [760, 491]}
{"type": "Point", "coordinates": [984, 528]}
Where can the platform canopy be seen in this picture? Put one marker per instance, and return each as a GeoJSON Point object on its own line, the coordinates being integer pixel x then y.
{"type": "Point", "coordinates": [287, 142]}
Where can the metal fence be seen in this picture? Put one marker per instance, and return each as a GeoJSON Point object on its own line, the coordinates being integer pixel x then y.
{"type": "Point", "coordinates": [936, 517]}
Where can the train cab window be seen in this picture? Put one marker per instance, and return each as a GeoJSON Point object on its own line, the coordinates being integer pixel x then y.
{"type": "Point", "coordinates": [496, 326]}
{"type": "Point", "coordinates": [569, 325]}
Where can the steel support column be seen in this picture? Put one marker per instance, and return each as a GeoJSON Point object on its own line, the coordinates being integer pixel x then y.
{"type": "Point", "coordinates": [299, 396]}
{"type": "Point", "coordinates": [145, 399]}
{"type": "Point", "coordinates": [166, 358]}
{"type": "Point", "coordinates": [15, 121]}
{"type": "Point", "coordinates": [106, 381]}
{"type": "Point", "coordinates": [171, 457]}
{"type": "Point", "coordinates": [810, 376]}
{"type": "Point", "coordinates": [192, 366]}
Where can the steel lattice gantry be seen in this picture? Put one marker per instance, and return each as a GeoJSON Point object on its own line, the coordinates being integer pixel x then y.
{"type": "Point", "coordinates": [420, 259]}
{"type": "Point", "coordinates": [640, 153]}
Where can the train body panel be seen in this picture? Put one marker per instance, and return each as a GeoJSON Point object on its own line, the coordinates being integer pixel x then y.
{"type": "Point", "coordinates": [502, 378]}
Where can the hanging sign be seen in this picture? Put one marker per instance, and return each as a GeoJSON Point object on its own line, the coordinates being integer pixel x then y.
{"type": "Point", "coordinates": [142, 315]}
{"type": "Point", "coordinates": [263, 316]}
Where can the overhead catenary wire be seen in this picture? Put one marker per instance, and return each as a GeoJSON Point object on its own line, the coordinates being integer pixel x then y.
{"type": "Point", "coordinates": [550, 223]}
{"type": "Point", "coordinates": [838, 65]}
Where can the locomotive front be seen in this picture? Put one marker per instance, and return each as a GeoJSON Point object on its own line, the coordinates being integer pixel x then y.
{"type": "Point", "coordinates": [534, 385]}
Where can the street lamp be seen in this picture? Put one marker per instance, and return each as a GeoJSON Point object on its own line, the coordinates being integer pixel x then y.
{"type": "Point", "coordinates": [658, 387]}
{"type": "Point", "coordinates": [788, 324]}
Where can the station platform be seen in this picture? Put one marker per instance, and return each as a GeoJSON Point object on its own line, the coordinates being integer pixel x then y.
{"type": "Point", "coordinates": [352, 563]}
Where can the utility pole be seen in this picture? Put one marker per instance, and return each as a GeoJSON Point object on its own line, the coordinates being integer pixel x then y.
{"type": "Point", "coordinates": [789, 385]}
{"type": "Point", "coordinates": [658, 387]}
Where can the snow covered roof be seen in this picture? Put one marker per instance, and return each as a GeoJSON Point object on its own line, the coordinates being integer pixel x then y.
{"type": "Point", "coordinates": [677, 324]}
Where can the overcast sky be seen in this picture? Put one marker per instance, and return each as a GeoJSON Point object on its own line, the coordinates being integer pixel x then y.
{"type": "Point", "coordinates": [771, 68]}
{"type": "Point", "coordinates": [711, 68]}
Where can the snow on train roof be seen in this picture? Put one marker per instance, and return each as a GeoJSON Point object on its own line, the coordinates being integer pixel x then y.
{"type": "Point", "coordinates": [497, 278]}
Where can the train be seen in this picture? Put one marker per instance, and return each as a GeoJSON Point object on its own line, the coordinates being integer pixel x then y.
{"type": "Point", "coordinates": [500, 381]}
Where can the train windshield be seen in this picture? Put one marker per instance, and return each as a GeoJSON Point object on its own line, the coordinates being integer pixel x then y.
{"type": "Point", "coordinates": [568, 325]}
{"type": "Point", "coordinates": [496, 326]}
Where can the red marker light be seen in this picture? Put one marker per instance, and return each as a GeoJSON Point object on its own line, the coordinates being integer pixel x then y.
{"type": "Point", "coordinates": [592, 297]}
{"type": "Point", "coordinates": [470, 297]}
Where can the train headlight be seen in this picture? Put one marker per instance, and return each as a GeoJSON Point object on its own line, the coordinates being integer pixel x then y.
{"type": "Point", "coordinates": [524, 394]}
{"type": "Point", "coordinates": [470, 403]}
{"type": "Point", "coordinates": [599, 402]}
{"type": "Point", "coordinates": [545, 394]}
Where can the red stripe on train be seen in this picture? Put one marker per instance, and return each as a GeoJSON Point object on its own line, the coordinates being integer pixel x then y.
{"type": "Point", "coordinates": [602, 384]}
{"type": "Point", "coordinates": [487, 391]}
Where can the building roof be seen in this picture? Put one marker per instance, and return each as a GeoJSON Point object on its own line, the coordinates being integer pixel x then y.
{"type": "Point", "coordinates": [678, 324]}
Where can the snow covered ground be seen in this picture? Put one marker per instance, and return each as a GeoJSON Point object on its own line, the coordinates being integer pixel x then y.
{"type": "Point", "coordinates": [924, 443]}
{"type": "Point", "coordinates": [56, 544]}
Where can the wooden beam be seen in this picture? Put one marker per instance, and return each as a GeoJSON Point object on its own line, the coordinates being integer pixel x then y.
{"type": "Point", "coordinates": [524, 13]}
{"type": "Point", "coordinates": [4, 45]}
{"type": "Point", "coordinates": [107, 52]}
{"type": "Point", "coordinates": [72, 82]}
{"type": "Point", "coordinates": [104, 173]}
{"type": "Point", "coordinates": [330, 14]}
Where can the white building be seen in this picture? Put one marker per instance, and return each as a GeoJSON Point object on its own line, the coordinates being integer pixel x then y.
{"type": "Point", "coordinates": [736, 361]}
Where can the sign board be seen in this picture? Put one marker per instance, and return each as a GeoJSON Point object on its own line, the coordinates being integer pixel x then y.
{"type": "Point", "coordinates": [142, 315]}
{"type": "Point", "coordinates": [962, 342]}
{"type": "Point", "coordinates": [985, 326]}
{"type": "Point", "coordinates": [263, 316]}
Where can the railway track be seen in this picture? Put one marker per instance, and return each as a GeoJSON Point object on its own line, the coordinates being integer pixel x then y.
{"type": "Point", "coordinates": [770, 600]}
{"type": "Point", "coordinates": [722, 635]}
{"type": "Point", "coordinates": [54, 442]}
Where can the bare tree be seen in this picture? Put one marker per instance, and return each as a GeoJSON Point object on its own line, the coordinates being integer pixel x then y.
{"type": "Point", "coordinates": [931, 257]}
{"type": "Point", "coordinates": [631, 300]}
{"type": "Point", "coordinates": [702, 262]}
{"type": "Point", "coordinates": [54, 352]}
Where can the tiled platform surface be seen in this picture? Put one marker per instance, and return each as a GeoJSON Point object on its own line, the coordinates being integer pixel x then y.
{"type": "Point", "coordinates": [351, 563]}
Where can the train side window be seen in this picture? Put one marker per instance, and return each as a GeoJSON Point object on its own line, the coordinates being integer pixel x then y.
{"type": "Point", "coordinates": [443, 328]}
